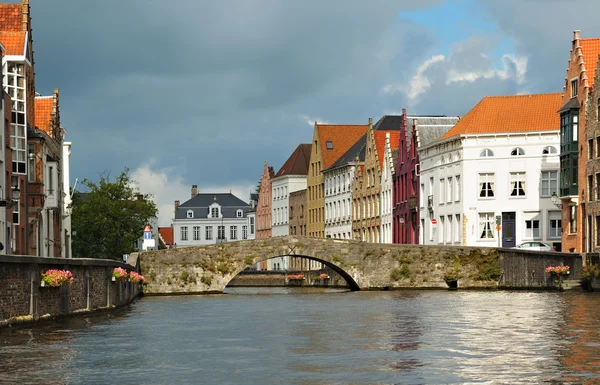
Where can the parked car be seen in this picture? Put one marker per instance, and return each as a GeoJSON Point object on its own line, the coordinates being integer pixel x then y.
{"type": "Point", "coordinates": [535, 246]}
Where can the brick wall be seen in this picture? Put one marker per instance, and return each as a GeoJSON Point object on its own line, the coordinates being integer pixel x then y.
{"type": "Point", "coordinates": [22, 299]}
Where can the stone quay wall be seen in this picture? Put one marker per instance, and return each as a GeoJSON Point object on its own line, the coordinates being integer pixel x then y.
{"type": "Point", "coordinates": [23, 299]}
{"type": "Point", "coordinates": [261, 278]}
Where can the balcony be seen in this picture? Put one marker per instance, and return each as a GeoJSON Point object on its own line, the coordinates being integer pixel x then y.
{"type": "Point", "coordinates": [430, 201]}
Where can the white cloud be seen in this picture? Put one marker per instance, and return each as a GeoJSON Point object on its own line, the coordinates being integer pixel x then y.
{"type": "Point", "coordinates": [513, 67]}
{"type": "Point", "coordinates": [419, 83]}
{"type": "Point", "coordinates": [311, 120]}
{"type": "Point", "coordinates": [167, 186]}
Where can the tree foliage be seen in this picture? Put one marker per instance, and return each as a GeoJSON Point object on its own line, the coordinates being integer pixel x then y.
{"type": "Point", "coordinates": [109, 217]}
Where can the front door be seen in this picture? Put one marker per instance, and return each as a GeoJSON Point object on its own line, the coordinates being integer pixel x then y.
{"type": "Point", "coordinates": [508, 230]}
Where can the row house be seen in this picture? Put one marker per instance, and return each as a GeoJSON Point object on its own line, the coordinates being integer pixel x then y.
{"type": "Point", "coordinates": [366, 189]}
{"type": "Point", "coordinates": [208, 218]}
{"type": "Point", "coordinates": [489, 181]}
{"type": "Point", "coordinates": [298, 227]}
{"type": "Point", "coordinates": [291, 177]}
{"type": "Point", "coordinates": [329, 143]}
{"type": "Point", "coordinates": [338, 191]}
{"type": "Point", "coordinates": [263, 207]}
{"type": "Point", "coordinates": [37, 200]}
{"type": "Point", "coordinates": [415, 132]}
{"type": "Point", "coordinates": [574, 112]}
{"type": "Point", "coordinates": [593, 167]}
{"type": "Point", "coordinates": [390, 155]}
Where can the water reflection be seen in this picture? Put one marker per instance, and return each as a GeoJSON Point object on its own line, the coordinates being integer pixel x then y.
{"type": "Point", "coordinates": [283, 336]}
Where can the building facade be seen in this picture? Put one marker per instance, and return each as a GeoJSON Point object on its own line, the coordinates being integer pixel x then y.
{"type": "Point", "coordinates": [415, 132]}
{"type": "Point", "coordinates": [210, 218]}
{"type": "Point", "coordinates": [386, 206]}
{"type": "Point", "coordinates": [67, 205]}
{"type": "Point", "coordinates": [263, 208]}
{"type": "Point", "coordinates": [516, 165]}
{"type": "Point", "coordinates": [298, 227]}
{"type": "Point", "coordinates": [579, 82]}
{"type": "Point", "coordinates": [593, 167]}
{"type": "Point", "coordinates": [330, 142]}
{"type": "Point", "coordinates": [338, 191]}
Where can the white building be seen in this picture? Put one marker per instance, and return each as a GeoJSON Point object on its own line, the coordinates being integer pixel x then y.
{"type": "Point", "coordinates": [338, 191]}
{"type": "Point", "coordinates": [67, 201]}
{"type": "Point", "coordinates": [291, 177]}
{"type": "Point", "coordinates": [386, 192]}
{"type": "Point", "coordinates": [498, 166]}
{"type": "Point", "coordinates": [211, 218]}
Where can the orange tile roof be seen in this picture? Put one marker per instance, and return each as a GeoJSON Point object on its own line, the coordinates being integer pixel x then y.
{"type": "Point", "coordinates": [166, 234]}
{"type": "Point", "coordinates": [341, 136]}
{"type": "Point", "coordinates": [13, 42]}
{"type": "Point", "coordinates": [380, 143]}
{"type": "Point", "coordinates": [591, 50]}
{"type": "Point", "coordinates": [516, 113]}
{"type": "Point", "coordinates": [43, 113]}
{"type": "Point", "coordinates": [11, 17]}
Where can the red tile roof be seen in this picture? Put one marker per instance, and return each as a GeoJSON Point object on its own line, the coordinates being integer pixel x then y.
{"type": "Point", "coordinates": [166, 233]}
{"type": "Point", "coordinates": [380, 143]}
{"type": "Point", "coordinates": [517, 113]}
{"type": "Point", "coordinates": [297, 163]}
{"type": "Point", "coordinates": [342, 137]}
{"type": "Point", "coordinates": [13, 42]}
{"type": "Point", "coordinates": [591, 50]}
{"type": "Point", "coordinates": [43, 113]}
{"type": "Point", "coordinates": [11, 17]}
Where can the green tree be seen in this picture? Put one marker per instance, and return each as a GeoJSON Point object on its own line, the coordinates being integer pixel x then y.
{"type": "Point", "coordinates": [109, 217]}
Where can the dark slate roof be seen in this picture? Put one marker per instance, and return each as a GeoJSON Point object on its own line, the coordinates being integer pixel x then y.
{"type": "Point", "coordinates": [432, 128]}
{"type": "Point", "coordinates": [297, 163]}
{"type": "Point", "coordinates": [358, 149]}
{"type": "Point", "coordinates": [254, 197]}
{"type": "Point", "coordinates": [206, 199]}
{"type": "Point", "coordinates": [389, 123]}
{"type": "Point", "coordinates": [573, 103]}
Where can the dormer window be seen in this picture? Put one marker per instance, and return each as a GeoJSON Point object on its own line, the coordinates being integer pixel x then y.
{"type": "Point", "coordinates": [486, 153]}
{"type": "Point", "coordinates": [240, 213]}
{"type": "Point", "coordinates": [214, 212]}
{"type": "Point", "coordinates": [549, 150]}
{"type": "Point", "coordinates": [518, 151]}
{"type": "Point", "coordinates": [190, 214]}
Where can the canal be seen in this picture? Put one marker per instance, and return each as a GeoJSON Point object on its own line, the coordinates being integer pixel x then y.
{"type": "Point", "coordinates": [313, 336]}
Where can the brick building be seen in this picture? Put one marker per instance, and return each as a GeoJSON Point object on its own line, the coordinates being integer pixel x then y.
{"type": "Point", "coordinates": [593, 167]}
{"type": "Point", "coordinates": [579, 83]}
{"type": "Point", "coordinates": [330, 141]}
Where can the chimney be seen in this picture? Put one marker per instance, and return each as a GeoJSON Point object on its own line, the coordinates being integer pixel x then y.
{"type": "Point", "coordinates": [576, 34]}
{"type": "Point", "coordinates": [194, 190]}
{"type": "Point", "coordinates": [25, 17]}
{"type": "Point", "coordinates": [252, 203]}
{"type": "Point", "coordinates": [176, 206]}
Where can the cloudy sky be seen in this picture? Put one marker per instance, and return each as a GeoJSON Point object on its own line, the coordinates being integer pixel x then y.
{"type": "Point", "coordinates": [203, 92]}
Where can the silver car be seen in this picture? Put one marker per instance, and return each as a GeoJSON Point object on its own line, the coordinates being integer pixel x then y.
{"type": "Point", "coordinates": [535, 245]}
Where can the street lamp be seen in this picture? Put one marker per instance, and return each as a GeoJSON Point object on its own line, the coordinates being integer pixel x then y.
{"type": "Point", "coordinates": [556, 200]}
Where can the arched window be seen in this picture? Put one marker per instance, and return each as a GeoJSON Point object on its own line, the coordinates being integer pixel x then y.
{"type": "Point", "coordinates": [240, 213]}
{"type": "Point", "coordinates": [190, 214]}
{"type": "Point", "coordinates": [486, 152]}
{"type": "Point", "coordinates": [549, 150]}
{"type": "Point", "coordinates": [518, 151]}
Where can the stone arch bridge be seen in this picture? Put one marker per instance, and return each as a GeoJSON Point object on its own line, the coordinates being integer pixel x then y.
{"type": "Point", "coordinates": [208, 269]}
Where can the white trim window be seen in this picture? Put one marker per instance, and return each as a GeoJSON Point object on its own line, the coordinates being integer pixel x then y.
{"type": "Point", "coordinates": [16, 87]}
{"type": "Point", "coordinates": [442, 190]}
{"type": "Point", "coordinates": [232, 232]}
{"type": "Point", "coordinates": [240, 213]}
{"type": "Point", "coordinates": [518, 151]}
{"type": "Point", "coordinates": [517, 184]}
{"type": "Point", "coordinates": [554, 225]}
{"type": "Point", "coordinates": [486, 224]}
{"type": "Point", "coordinates": [251, 225]}
{"type": "Point", "coordinates": [245, 232]}
{"type": "Point", "coordinates": [457, 188]}
{"type": "Point", "coordinates": [532, 229]}
{"type": "Point", "coordinates": [486, 153]}
{"type": "Point", "coordinates": [214, 212]}
{"type": "Point", "coordinates": [183, 233]}
{"type": "Point", "coordinates": [208, 233]}
{"type": "Point", "coordinates": [196, 231]}
{"type": "Point", "coordinates": [190, 214]}
{"type": "Point", "coordinates": [449, 190]}
{"type": "Point", "coordinates": [221, 232]}
{"type": "Point", "coordinates": [549, 183]}
{"type": "Point", "coordinates": [486, 185]}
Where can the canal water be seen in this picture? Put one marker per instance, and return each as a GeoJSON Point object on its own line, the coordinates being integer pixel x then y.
{"type": "Point", "coordinates": [311, 336]}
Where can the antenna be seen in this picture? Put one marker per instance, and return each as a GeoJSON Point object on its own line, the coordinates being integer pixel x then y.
{"type": "Point", "coordinates": [74, 187]}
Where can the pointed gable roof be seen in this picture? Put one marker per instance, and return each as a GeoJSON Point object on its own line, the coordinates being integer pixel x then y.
{"type": "Point", "coordinates": [11, 17]}
{"type": "Point", "coordinates": [590, 49]}
{"type": "Point", "coordinates": [13, 42]}
{"type": "Point", "coordinates": [297, 163]}
{"type": "Point", "coordinates": [43, 113]}
{"type": "Point", "coordinates": [166, 233]}
{"type": "Point", "coordinates": [357, 150]}
{"type": "Point", "coordinates": [380, 143]}
{"type": "Point", "coordinates": [207, 199]}
{"type": "Point", "coordinates": [342, 137]}
{"type": "Point", "coordinates": [506, 114]}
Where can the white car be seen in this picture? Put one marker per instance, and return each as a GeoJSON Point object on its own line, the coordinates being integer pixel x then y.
{"type": "Point", "coordinates": [534, 245]}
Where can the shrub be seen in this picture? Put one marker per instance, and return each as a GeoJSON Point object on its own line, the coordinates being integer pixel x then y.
{"type": "Point", "coordinates": [590, 271]}
{"type": "Point", "coordinates": [248, 260]}
{"type": "Point", "coordinates": [184, 276]}
{"type": "Point", "coordinates": [206, 279]}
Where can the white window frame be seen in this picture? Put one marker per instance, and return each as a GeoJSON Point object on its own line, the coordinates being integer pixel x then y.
{"type": "Point", "coordinates": [196, 233]}
{"type": "Point", "coordinates": [244, 231]}
{"type": "Point", "coordinates": [486, 226]}
{"type": "Point", "coordinates": [530, 229]}
{"type": "Point", "coordinates": [183, 233]}
{"type": "Point", "coordinates": [240, 213]}
{"type": "Point", "coordinates": [449, 190]}
{"type": "Point", "coordinates": [518, 184]}
{"type": "Point", "coordinates": [549, 176]}
{"type": "Point", "coordinates": [208, 233]}
{"type": "Point", "coordinates": [213, 211]}
{"type": "Point", "coordinates": [190, 214]}
{"type": "Point", "coordinates": [487, 181]}
{"type": "Point", "coordinates": [232, 232]}
{"type": "Point", "coordinates": [442, 190]}
{"type": "Point", "coordinates": [457, 188]}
